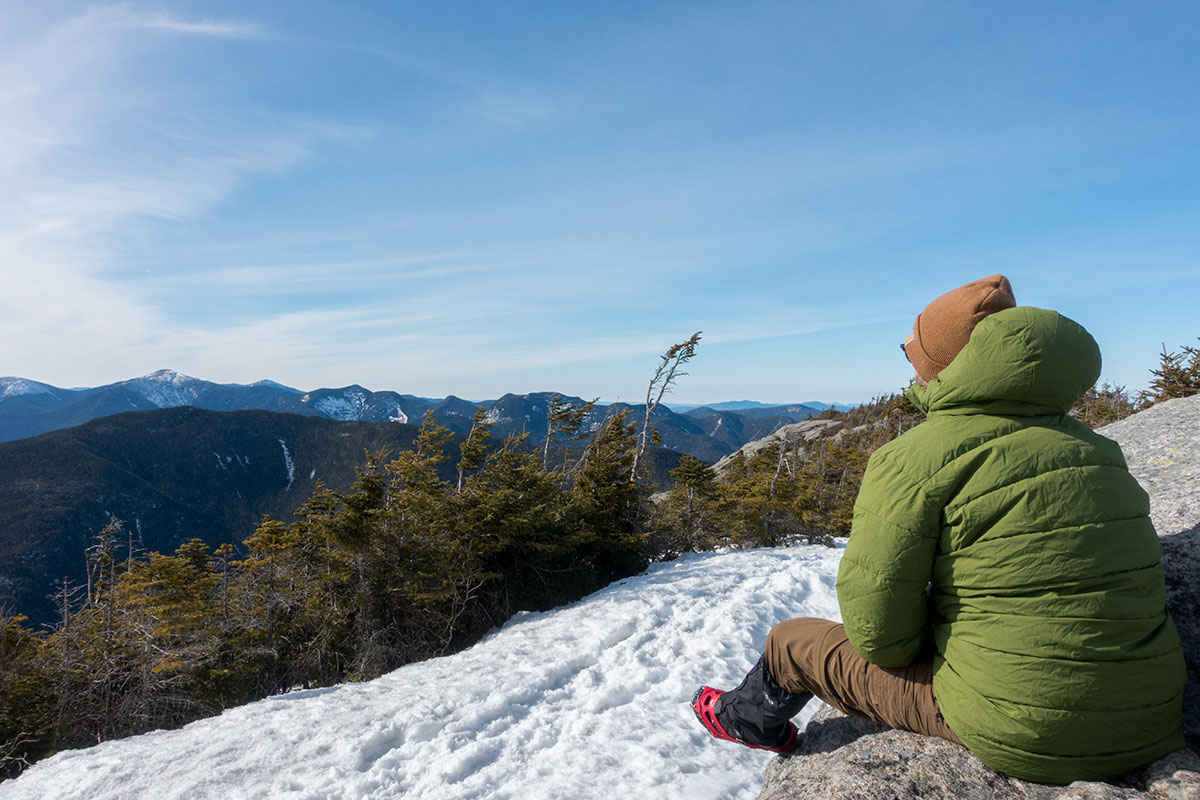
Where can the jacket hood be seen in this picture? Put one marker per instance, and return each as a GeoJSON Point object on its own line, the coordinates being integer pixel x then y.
{"type": "Point", "coordinates": [1021, 361]}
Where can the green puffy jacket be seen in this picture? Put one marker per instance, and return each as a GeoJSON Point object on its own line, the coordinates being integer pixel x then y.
{"type": "Point", "coordinates": [1013, 540]}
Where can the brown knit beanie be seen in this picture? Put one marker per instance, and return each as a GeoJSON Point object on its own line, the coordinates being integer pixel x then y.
{"type": "Point", "coordinates": [945, 326]}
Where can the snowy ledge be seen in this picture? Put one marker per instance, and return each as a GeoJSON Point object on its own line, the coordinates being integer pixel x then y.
{"type": "Point", "coordinates": [586, 701]}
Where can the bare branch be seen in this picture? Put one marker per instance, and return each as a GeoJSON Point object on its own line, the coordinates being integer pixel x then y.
{"type": "Point", "coordinates": [664, 377]}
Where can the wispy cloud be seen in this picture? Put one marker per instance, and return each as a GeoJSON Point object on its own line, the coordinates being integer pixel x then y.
{"type": "Point", "coordinates": [503, 101]}
{"type": "Point", "coordinates": [129, 16]}
{"type": "Point", "coordinates": [91, 147]}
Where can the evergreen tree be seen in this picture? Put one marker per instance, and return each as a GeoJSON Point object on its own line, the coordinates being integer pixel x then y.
{"type": "Point", "coordinates": [511, 514]}
{"type": "Point", "coordinates": [473, 449]}
{"type": "Point", "coordinates": [759, 512]}
{"type": "Point", "coordinates": [829, 473]}
{"type": "Point", "coordinates": [290, 599]}
{"type": "Point", "coordinates": [1178, 375]}
{"type": "Point", "coordinates": [689, 518]}
{"type": "Point", "coordinates": [1103, 404]}
{"type": "Point", "coordinates": [26, 696]}
{"type": "Point", "coordinates": [564, 422]}
{"type": "Point", "coordinates": [606, 502]}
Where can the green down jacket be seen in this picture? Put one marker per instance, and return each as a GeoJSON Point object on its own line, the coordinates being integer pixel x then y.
{"type": "Point", "coordinates": [1014, 540]}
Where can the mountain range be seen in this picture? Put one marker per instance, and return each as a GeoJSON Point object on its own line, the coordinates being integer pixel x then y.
{"type": "Point", "coordinates": [176, 457]}
{"type": "Point", "coordinates": [29, 408]}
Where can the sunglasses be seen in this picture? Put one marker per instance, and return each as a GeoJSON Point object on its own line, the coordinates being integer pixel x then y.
{"type": "Point", "coordinates": [904, 348]}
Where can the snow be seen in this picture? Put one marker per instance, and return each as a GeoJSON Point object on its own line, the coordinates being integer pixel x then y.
{"type": "Point", "coordinates": [273, 385]}
{"type": "Point", "coordinates": [587, 701]}
{"type": "Point", "coordinates": [399, 416]}
{"type": "Point", "coordinates": [349, 407]}
{"type": "Point", "coordinates": [13, 387]}
{"type": "Point", "coordinates": [167, 388]}
{"type": "Point", "coordinates": [291, 467]}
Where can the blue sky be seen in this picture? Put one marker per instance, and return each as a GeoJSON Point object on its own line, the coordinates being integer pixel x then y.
{"type": "Point", "coordinates": [476, 198]}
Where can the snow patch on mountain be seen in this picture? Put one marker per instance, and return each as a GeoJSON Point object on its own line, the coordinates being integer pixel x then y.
{"type": "Point", "coordinates": [167, 388]}
{"type": "Point", "coordinates": [14, 387]}
{"type": "Point", "coordinates": [275, 385]}
{"type": "Point", "coordinates": [346, 407]}
{"type": "Point", "coordinates": [287, 460]}
{"type": "Point", "coordinates": [399, 416]}
{"type": "Point", "coordinates": [588, 701]}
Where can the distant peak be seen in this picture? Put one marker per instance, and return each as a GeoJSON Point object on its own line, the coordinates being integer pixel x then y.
{"type": "Point", "coordinates": [12, 386]}
{"type": "Point", "coordinates": [275, 385]}
{"type": "Point", "coordinates": [167, 376]}
{"type": "Point", "coordinates": [166, 388]}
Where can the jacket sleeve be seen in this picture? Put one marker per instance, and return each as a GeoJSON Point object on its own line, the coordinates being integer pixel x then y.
{"type": "Point", "coordinates": [887, 565]}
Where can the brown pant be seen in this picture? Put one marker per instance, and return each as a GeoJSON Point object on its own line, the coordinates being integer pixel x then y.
{"type": "Point", "coordinates": [814, 655]}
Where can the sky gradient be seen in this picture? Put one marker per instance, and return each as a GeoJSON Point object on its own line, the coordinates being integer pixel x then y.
{"type": "Point", "coordinates": [479, 198]}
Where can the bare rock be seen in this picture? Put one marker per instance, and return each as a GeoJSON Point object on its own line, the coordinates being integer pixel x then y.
{"type": "Point", "coordinates": [844, 757]}
{"type": "Point", "coordinates": [806, 430]}
{"type": "Point", "coordinates": [1162, 448]}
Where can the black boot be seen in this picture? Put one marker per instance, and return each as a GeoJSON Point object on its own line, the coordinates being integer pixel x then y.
{"type": "Point", "coordinates": [757, 713]}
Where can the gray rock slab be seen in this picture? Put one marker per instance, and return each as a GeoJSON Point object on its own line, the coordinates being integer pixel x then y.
{"type": "Point", "coordinates": [852, 759]}
{"type": "Point", "coordinates": [807, 430]}
{"type": "Point", "coordinates": [1162, 448]}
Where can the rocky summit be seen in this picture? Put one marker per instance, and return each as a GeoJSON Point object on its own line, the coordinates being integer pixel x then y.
{"type": "Point", "coordinates": [843, 757]}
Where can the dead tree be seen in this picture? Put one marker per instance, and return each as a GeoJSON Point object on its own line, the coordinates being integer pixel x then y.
{"type": "Point", "coordinates": [667, 373]}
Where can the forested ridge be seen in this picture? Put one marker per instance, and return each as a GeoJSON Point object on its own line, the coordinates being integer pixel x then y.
{"type": "Point", "coordinates": [409, 563]}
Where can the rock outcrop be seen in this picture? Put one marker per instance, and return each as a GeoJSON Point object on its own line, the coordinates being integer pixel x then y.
{"type": "Point", "coordinates": [842, 757]}
{"type": "Point", "coordinates": [1162, 446]}
{"type": "Point", "coordinates": [807, 430]}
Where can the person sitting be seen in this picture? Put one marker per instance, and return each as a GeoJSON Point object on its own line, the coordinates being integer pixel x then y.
{"type": "Point", "coordinates": [1001, 587]}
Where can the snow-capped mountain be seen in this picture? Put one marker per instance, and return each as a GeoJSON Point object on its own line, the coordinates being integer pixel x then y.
{"type": "Point", "coordinates": [587, 701]}
{"type": "Point", "coordinates": [16, 387]}
{"type": "Point", "coordinates": [23, 396]}
{"type": "Point", "coordinates": [354, 403]}
{"type": "Point", "coordinates": [272, 385]}
{"type": "Point", "coordinates": [28, 408]}
{"type": "Point", "coordinates": [167, 388]}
